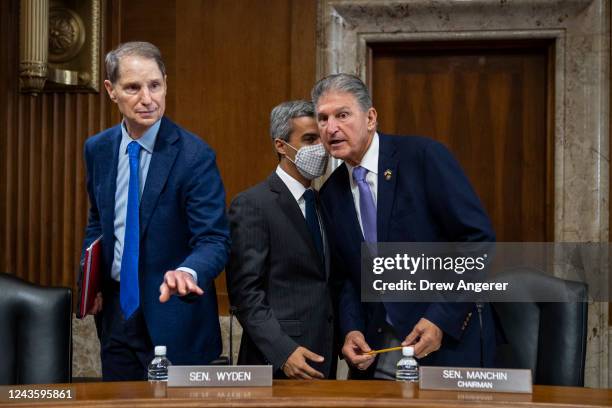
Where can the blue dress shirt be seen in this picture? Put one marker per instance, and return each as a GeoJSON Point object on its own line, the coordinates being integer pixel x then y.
{"type": "Point", "coordinates": [147, 142]}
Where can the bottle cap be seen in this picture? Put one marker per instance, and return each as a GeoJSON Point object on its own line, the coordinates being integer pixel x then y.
{"type": "Point", "coordinates": [408, 351]}
{"type": "Point", "coordinates": [160, 350]}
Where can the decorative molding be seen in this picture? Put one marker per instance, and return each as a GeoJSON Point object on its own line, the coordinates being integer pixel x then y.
{"type": "Point", "coordinates": [66, 34]}
{"type": "Point", "coordinates": [32, 76]}
{"type": "Point", "coordinates": [74, 46]}
{"type": "Point", "coordinates": [395, 11]}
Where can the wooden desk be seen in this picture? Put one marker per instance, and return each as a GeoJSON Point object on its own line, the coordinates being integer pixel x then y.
{"type": "Point", "coordinates": [286, 393]}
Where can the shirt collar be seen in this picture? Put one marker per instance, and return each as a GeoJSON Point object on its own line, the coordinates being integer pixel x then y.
{"type": "Point", "coordinates": [295, 187]}
{"type": "Point", "coordinates": [147, 141]}
{"type": "Point", "coordinates": [370, 158]}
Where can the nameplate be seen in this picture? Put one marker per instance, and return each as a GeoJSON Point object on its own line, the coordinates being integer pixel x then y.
{"type": "Point", "coordinates": [219, 376]}
{"type": "Point", "coordinates": [475, 379]}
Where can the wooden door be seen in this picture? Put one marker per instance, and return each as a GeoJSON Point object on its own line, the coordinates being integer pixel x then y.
{"type": "Point", "coordinates": [490, 104]}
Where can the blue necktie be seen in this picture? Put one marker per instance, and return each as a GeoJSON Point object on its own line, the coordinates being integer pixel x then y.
{"type": "Point", "coordinates": [313, 221]}
{"type": "Point", "coordinates": [129, 294]}
{"type": "Point", "coordinates": [367, 208]}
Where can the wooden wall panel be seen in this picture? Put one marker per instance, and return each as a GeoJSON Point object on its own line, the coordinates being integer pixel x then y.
{"type": "Point", "coordinates": [7, 37]}
{"type": "Point", "coordinates": [230, 78]}
{"type": "Point", "coordinates": [489, 103]}
{"type": "Point", "coordinates": [153, 21]}
{"type": "Point", "coordinates": [42, 194]}
{"type": "Point", "coordinates": [303, 48]}
{"type": "Point", "coordinates": [228, 63]}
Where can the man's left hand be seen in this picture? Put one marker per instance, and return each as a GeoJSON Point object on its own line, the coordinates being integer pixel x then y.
{"type": "Point", "coordinates": [178, 282]}
{"type": "Point", "coordinates": [426, 338]}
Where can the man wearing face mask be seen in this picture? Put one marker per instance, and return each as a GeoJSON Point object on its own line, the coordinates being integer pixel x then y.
{"type": "Point", "coordinates": [278, 273]}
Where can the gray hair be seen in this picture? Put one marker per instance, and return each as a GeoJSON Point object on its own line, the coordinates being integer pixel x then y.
{"type": "Point", "coordinates": [135, 48]}
{"type": "Point", "coordinates": [343, 83]}
{"type": "Point", "coordinates": [280, 118]}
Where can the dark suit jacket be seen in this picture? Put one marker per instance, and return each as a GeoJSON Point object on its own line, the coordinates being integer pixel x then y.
{"type": "Point", "coordinates": [427, 199]}
{"type": "Point", "coordinates": [182, 223]}
{"type": "Point", "coordinates": [276, 279]}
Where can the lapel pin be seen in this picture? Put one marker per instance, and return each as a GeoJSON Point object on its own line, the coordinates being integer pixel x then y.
{"type": "Point", "coordinates": [388, 173]}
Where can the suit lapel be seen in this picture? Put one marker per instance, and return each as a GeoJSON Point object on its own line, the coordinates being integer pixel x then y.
{"type": "Point", "coordinates": [106, 163]}
{"type": "Point", "coordinates": [387, 176]}
{"type": "Point", "coordinates": [324, 237]}
{"type": "Point", "coordinates": [345, 210]}
{"type": "Point", "coordinates": [164, 155]}
{"type": "Point", "coordinates": [290, 207]}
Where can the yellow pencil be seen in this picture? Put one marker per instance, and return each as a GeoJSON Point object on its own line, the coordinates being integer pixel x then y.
{"type": "Point", "coordinates": [383, 350]}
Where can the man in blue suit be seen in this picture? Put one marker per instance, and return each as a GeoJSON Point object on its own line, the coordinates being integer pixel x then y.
{"type": "Point", "coordinates": [396, 189]}
{"type": "Point", "coordinates": [157, 200]}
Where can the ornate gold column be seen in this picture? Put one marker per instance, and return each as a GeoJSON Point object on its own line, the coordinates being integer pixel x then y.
{"type": "Point", "coordinates": [34, 45]}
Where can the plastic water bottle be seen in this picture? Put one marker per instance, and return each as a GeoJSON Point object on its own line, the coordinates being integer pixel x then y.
{"type": "Point", "coordinates": [158, 369]}
{"type": "Point", "coordinates": [407, 367]}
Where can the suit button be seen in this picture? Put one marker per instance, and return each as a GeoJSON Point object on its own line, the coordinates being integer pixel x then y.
{"type": "Point", "coordinates": [330, 319]}
{"type": "Point", "coordinates": [379, 330]}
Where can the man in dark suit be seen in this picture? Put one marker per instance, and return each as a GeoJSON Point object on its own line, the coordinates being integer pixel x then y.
{"type": "Point", "coordinates": [278, 272]}
{"type": "Point", "coordinates": [396, 189]}
{"type": "Point", "coordinates": [158, 202]}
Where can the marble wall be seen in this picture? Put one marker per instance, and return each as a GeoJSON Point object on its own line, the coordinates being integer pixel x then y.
{"type": "Point", "coordinates": [86, 347]}
{"type": "Point", "coordinates": [580, 30]}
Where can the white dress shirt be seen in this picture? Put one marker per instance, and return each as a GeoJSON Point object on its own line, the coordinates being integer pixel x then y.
{"type": "Point", "coordinates": [297, 190]}
{"type": "Point", "coordinates": [370, 163]}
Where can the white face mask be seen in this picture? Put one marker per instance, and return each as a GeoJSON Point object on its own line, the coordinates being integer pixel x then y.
{"type": "Point", "coordinates": [311, 160]}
